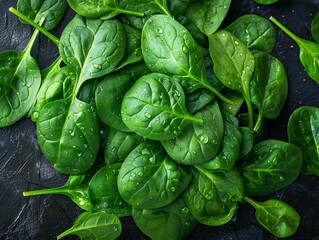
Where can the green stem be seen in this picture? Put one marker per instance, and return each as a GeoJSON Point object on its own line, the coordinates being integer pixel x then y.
{"type": "Point", "coordinates": [195, 119]}
{"type": "Point", "coordinates": [251, 202]}
{"type": "Point", "coordinates": [33, 38]}
{"type": "Point", "coordinates": [58, 190]}
{"type": "Point", "coordinates": [64, 234]}
{"type": "Point", "coordinates": [164, 9]}
{"type": "Point", "coordinates": [138, 14]}
{"type": "Point", "coordinates": [219, 95]}
{"type": "Point", "coordinates": [250, 112]}
{"type": "Point", "coordinates": [32, 23]}
{"type": "Point", "coordinates": [258, 123]}
{"type": "Point", "coordinates": [286, 30]}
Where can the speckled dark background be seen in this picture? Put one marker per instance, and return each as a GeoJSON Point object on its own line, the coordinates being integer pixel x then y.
{"type": "Point", "coordinates": [24, 167]}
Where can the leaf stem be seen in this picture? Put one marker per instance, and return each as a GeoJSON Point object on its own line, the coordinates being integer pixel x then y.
{"type": "Point", "coordinates": [164, 9]}
{"type": "Point", "coordinates": [43, 192]}
{"type": "Point", "coordinates": [251, 202]}
{"type": "Point", "coordinates": [258, 123]}
{"type": "Point", "coordinates": [33, 38]}
{"type": "Point", "coordinates": [283, 28]}
{"type": "Point", "coordinates": [138, 14]}
{"type": "Point", "coordinates": [219, 95]}
{"type": "Point", "coordinates": [195, 119]}
{"type": "Point", "coordinates": [32, 23]}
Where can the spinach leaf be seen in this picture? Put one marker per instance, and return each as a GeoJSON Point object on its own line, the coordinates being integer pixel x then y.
{"type": "Point", "coordinates": [119, 145]}
{"type": "Point", "coordinates": [133, 51]}
{"type": "Point", "coordinates": [192, 28]}
{"type": "Point", "coordinates": [20, 81]}
{"type": "Point", "coordinates": [176, 53]}
{"type": "Point", "coordinates": [256, 32]}
{"type": "Point", "coordinates": [197, 100]}
{"type": "Point", "coordinates": [303, 129]}
{"type": "Point", "coordinates": [149, 7]}
{"type": "Point", "coordinates": [234, 96]}
{"type": "Point", "coordinates": [276, 216]}
{"type": "Point", "coordinates": [315, 28]}
{"type": "Point", "coordinates": [155, 108]}
{"type": "Point", "coordinates": [268, 87]}
{"type": "Point", "coordinates": [76, 188]}
{"type": "Point", "coordinates": [229, 118]}
{"type": "Point", "coordinates": [98, 226]}
{"type": "Point", "coordinates": [149, 179]}
{"type": "Point", "coordinates": [173, 222]}
{"type": "Point", "coordinates": [262, 132]}
{"type": "Point", "coordinates": [234, 64]}
{"type": "Point", "coordinates": [54, 67]}
{"type": "Point", "coordinates": [110, 92]}
{"type": "Point", "coordinates": [247, 142]}
{"type": "Point", "coordinates": [229, 150]}
{"type": "Point", "coordinates": [208, 15]}
{"type": "Point", "coordinates": [51, 10]}
{"type": "Point", "coordinates": [87, 90]}
{"type": "Point", "coordinates": [103, 192]}
{"type": "Point", "coordinates": [266, 2]}
{"type": "Point", "coordinates": [270, 166]}
{"type": "Point", "coordinates": [178, 7]}
{"type": "Point", "coordinates": [100, 9]}
{"type": "Point", "coordinates": [198, 143]}
{"type": "Point", "coordinates": [309, 52]}
{"type": "Point", "coordinates": [212, 195]}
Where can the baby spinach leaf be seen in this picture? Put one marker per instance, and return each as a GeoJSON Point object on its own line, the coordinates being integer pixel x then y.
{"type": "Point", "coordinates": [176, 53]}
{"type": "Point", "coordinates": [276, 216]}
{"type": "Point", "coordinates": [155, 108]}
{"type": "Point", "coordinates": [229, 118]}
{"type": "Point", "coordinates": [98, 226]}
{"type": "Point", "coordinates": [110, 92]}
{"type": "Point", "coordinates": [266, 2]}
{"type": "Point", "coordinates": [234, 64]}
{"type": "Point", "coordinates": [173, 221]}
{"type": "Point", "coordinates": [54, 67]}
{"type": "Point", "coordinates": [270, 166]}
{"type": "Point", "coordinates": [198, 143]}
{"type": "Point", "coordinates": [208, 15]}
{"type": "Point", "coordinates": [149, 179]}
{"type": "Point", "coordinates": [92, 47]}
{"type": "Point", "coordinates": [51, 10]}
{"type": "Point", "coordinates": [192, 28]}
{"type": "Point", "coordinates": [234, 96]}
{"type": "Point", "coordinates": [87, 90]}
{"type": "Point", "coordinates": [256, 32]}
{"type": "Point", "coordinates": [212, 195]}
{"type": "Point", "coordinates": [100, 9]}
{"type": "Point", "coordinates": [76, 188]}
{"type": "Point", "coordinates": [178, 7]}
{"type": "Point", "coordinates": [103, 192]}
{"type": "Point", "coordinates": [315, 28]}
{"type": "Point", "coordinates": [229, 150]}
{"type": "Point", "coordinates": [247, 142]}
{"type": "Point", "coordinates": [20, 81]}
{"type": "Point", "coordinates": [119, 145]}
{"type": "Point", "coordinates": [303, 130]}
{"type": "Point", "coordinates": [133, 51]}
{"type": "Point", "coordinates": [197, 100]}
{"type": "Point", "coordinates": [268, 87]}
{"type": "Point", "coordinates": [309, 52]}
{"type": "Point", "coordinates": [149, 7]}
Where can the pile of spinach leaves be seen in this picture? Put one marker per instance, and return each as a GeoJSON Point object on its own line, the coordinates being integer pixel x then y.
{"type": "Point", "coordinates": [157, 90]}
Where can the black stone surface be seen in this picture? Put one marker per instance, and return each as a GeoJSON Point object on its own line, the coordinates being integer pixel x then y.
{"type": "Point", "coordinates": [24, 167]}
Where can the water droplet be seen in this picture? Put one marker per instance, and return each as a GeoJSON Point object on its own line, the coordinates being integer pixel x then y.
{"type": "Point", "coordinates": [282, 178]}
{"type": "Point", "coordinates": [185, 49]}
{"type": "Point", "coordinates": [132, 174]}
{"type": "Point", "coordinates": [187, 223]}
{"type": "Point", "coordinates": [80, 154]}
{"type": "Point", "coordinates": [152, 160]}
{"type": "Point", "coordinates": [160, 31]}
{"type": "Point", "coordinates": [236, 43]}
{"type": "Point", "coordinates": [115, 229]}
{"type": "Point", "coordinates": [97, 66]}
{"type": "Point", "coordinates": [146, 114]}
{"type": "Point", "coordinates": [35, 115]}
{"type": "Point", "coordinates": [203, 138]}
{"type": "Point", "coordinates": [173, 189]}
{"type": "Point", "coordinates": [185, 210]}
{"type": "Point", "coordinates": [140, 174]}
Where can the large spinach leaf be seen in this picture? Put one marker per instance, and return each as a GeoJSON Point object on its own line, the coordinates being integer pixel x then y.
{"type": "Point", "coordinates": [234, 64]}
{"type": "Point", "coordinates": [208, 15]}
{"type": "Point", "coordinates": [172, 222]}
{"type": "Point", "coordinates": [256, 32]}
{"type": "Point", "coordinates": [309, 52]}
{"type": "Point", "coordinates": [271, 166]}
{"type": "Point", "coordinates": [268, 87]}
{"type": "Point", "coordinates": [176, 53]}
{"type": "Point", "coordinates": [198, 143]}
{"type": "Point", "coordinates": [303, 131]}
{"type": "Point", "coordinates": [76, 188]}
{"type": "Point", "coordinates": [229, 150]}
{"type": "Point", "coordinates": [103, 192]}
{"type": "Point", "coordinates": [97, 226]}
{"type": "Point", "coordinates": [20, 81]}
{"type": "Point", "coordinates": [119, 145]}
{"type": "Point", "coordinates": [110, 93]}
{"type": "Point", "coordinates": [149, 179]}
{"type": "Point", "coordinates": [276, 216]}
{"type": "Point", "coordinates": [155, 108]}
{"type": "Point", "coordinates": [51, 10]}
{"type": "Point", "coordinates": [212, 195]}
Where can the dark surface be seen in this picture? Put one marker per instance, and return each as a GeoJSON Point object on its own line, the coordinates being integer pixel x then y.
{"type": "Point", "coordinates": [24, 167]}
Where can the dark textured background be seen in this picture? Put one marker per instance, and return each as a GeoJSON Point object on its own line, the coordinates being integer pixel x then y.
{"type": "Point", "coordinates": [24, 167]}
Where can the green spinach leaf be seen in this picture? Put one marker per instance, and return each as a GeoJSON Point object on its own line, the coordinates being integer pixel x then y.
{"type": "Point", "coordinates": [208, 15]}
{"type": "Point", "coordinates": [262, 132]}
{"type": "Point", "coordinates": [270, 166]}
{"type": "Point", "coordinates": [315, 28]}
{"type": "Point", "coordinates": [97, 226]}
{"type": "Point", "coordinates": [256, 32]}
{"type": "Point", "coordinates": [149, 7]}
{"type": "Point", "coordinates": [277, 217]}
{"type": "Point", "coordinates": [266, 2]}
{"type": "Point", "coordinates": [172, 222]}
{"type": "Point", "coordinates": [198, 143]}
{"type": "Point", "coordinates": [155, 108]}
{"type": "Point", "coordinates": [149, 179]}
{"type": "Point", "coordinates": [303, 127]}
{"type": "Point", "coordinates": [247, 142]}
